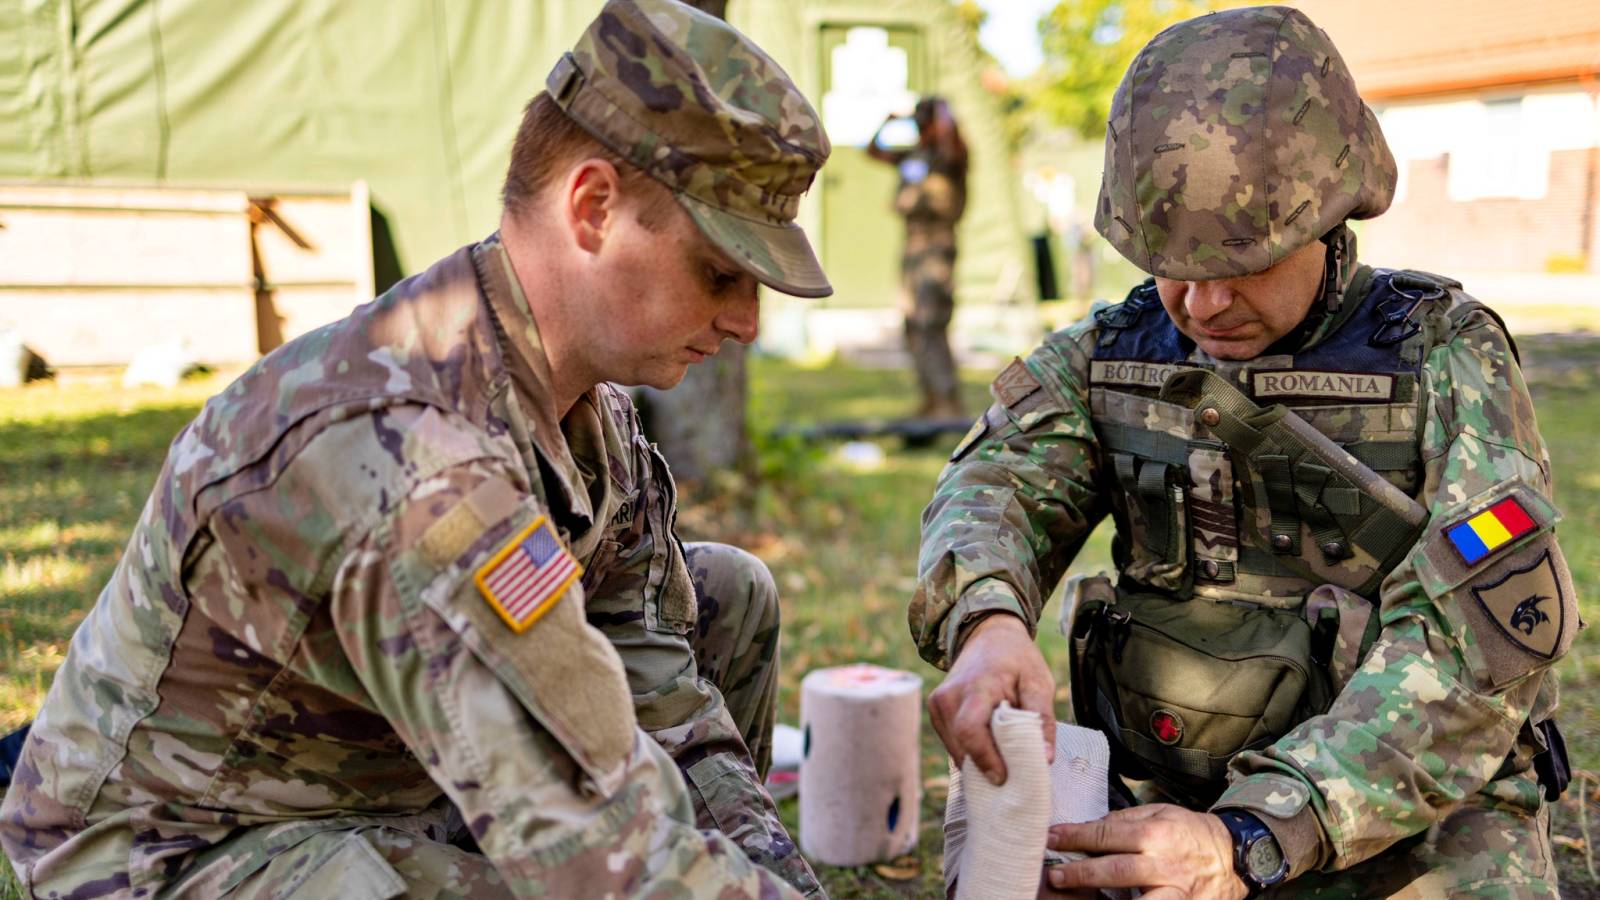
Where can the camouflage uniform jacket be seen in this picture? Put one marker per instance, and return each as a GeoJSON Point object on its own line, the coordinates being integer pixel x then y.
{"type": "Point", "coordinates": [1436, 711]}
{"type": "Point", "coordinates": [931, 196]}
{"type": "Point", "coordinates": [293, 641]}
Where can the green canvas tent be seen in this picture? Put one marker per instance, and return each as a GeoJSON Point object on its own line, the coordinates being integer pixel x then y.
{"type": "Point", "coordinates": [420, 100]}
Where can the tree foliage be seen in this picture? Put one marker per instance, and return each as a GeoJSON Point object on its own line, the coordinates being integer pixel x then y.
{"type": "Point", "coordinates": [1088, 45]}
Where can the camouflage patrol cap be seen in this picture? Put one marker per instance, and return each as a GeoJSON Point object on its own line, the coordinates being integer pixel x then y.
{"type": "Point", "coordinates": [688, 99]}
{"type": "Point", "coordinates": [1234, 140]}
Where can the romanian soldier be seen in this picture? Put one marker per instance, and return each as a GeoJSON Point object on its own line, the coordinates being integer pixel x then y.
{"type": "Point", "coordinates": [405, 612]}
{"type": "Point", "coordinates": [1327, 647]}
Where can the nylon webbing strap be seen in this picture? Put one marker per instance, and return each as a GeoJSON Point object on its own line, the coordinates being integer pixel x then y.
{"type": "Point", "coordinates": [1157, 445]}
{"type": "Point", "coordinates": [1298, 465]}
{"type": "Point", "coordinates": [1124, 464]}
{"type": "Point", "coordinates": [1279, 479]}
{"type": "Point", "coordinates": [1157, 514]}
{"type": "Point", "coordinates": [1262, 562]}
{"type": "Point", "coordinates": [1384, 456]}
{"type": "Point", "coordinates": [1310, 487]}
{"type": "Point", "coordinates": [1187, 761]}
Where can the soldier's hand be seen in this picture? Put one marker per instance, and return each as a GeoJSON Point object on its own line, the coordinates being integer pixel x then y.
{"type": "Point", "coordinates": [1165, 850]}
{"type": "Point", "coordinates": [998, 661]}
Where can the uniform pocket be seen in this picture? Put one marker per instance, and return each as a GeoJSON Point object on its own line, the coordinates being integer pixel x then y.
{"type": "Point", "coordinates": [353, 871]}
{"type": "Point", "coordinates": [670, 604]}
{"type": "Point", "coordinates": [1182, 686]}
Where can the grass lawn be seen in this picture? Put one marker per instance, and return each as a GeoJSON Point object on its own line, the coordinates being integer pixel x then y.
{"type": "Point", "coordinates": [78, 458]}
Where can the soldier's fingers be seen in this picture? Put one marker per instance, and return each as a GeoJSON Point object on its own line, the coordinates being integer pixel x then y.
{"type": "Point", "coordinates": [970, 729]}
{"type": "Point", "coordinates": [1049, 892]}
{"type": "Point", "coordinates": [939, 717]}
{"type": "Point", "coordinates": [1122, 870]}
{"type": "Point", "coordinates": [1111, 834]}
{"type": "Point", "coordinates": [1117, 817]}
{"type": "Point", "coordinates": [1039, 696]}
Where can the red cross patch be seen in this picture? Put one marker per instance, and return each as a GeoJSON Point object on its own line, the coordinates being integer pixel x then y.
{"type": "Point", "coordinates": [1167, 726]}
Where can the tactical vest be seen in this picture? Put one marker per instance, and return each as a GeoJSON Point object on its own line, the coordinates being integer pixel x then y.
{"type": "Point", "coordinates": [1230, 514]}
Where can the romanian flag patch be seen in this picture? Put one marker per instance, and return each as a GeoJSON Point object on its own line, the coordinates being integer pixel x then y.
{"type": "Point", "coordinates": [528, 575]}
{"type": "Point", "coordinates": [1483, 533]}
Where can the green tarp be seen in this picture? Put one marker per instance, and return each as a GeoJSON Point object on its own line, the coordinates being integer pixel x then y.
{"type": "Point", "coordinates": [420, 98]}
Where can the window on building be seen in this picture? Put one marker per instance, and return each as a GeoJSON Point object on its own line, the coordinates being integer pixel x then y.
{"type": "Point", "coordinates": [1499, 154]}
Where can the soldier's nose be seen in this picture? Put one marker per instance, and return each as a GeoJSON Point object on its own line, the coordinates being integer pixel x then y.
{"type": "Point", "coordinates": [1205, 300]}
{"type": "Point", "coordinates": [741, 318]}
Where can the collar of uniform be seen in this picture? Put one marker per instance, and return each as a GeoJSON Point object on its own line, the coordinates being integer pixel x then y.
{"type": "Point", "coordinates": [529, 369]}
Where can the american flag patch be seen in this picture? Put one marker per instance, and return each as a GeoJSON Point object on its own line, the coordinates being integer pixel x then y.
{"type": "Point", "coordinates": [528, 575]}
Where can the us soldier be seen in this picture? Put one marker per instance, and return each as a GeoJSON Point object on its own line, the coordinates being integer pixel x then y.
{"type": "Point", "coordinates": [931, 196]}
{"type": "Point", "coordinates": [1339, 591]}
{"type": "Point", "coordinates": [405, 613]}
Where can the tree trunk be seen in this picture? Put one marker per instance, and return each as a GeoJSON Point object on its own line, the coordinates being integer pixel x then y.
{"type": "Point", "coordinates": [700, 424]}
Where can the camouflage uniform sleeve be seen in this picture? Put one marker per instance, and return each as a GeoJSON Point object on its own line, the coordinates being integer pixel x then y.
{"type": "Point", "coordinates": [1015, 503]}
{"type": "Point", "coordinates": [528, 727]}
{"type": "Point", "coordinates": [684, 713]}
{"type": "Point", "coordinates": [938, 195]}
{"type": "Point", "coordinates": [1437, 704]}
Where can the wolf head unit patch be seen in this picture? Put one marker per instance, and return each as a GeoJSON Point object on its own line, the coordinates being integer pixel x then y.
{"type": "Point", "coordinates": [1527, 606]}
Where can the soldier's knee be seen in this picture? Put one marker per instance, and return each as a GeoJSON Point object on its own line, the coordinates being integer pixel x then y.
{"type": "Point", "coordinates": [737, 582]}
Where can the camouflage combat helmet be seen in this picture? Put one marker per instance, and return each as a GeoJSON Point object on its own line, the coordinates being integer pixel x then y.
{"type": "Point", "coordinates": [1235, 139]}
{"type": "Point", "coordinates": [688, 99]}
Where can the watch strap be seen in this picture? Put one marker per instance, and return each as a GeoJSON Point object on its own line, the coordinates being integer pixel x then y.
{"type": "Point", "coordinates": [1247, 830]}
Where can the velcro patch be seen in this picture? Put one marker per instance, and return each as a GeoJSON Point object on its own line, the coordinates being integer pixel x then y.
{"type": "Point", "coordinates": [1482, 533]}
{"type": "Point", "coordinates": [451, 534]}
{"type": "Point", "coordinates": [526, 577]}
{"type": "Point", "coordinates": [1014, 384]}
{"type": "Point", "coordinates": [1371, 387]}
{"type": "Point", "coordinates": [1460, 545]}
{"type": "Point", "coordinates": [458, 529]}
{"type": "Point", "coordinates": [1131, 373]}
{"type": "Point", "coordinates": [1528, 606]}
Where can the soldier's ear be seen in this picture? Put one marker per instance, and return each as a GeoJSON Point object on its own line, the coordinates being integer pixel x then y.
{"type": "Point", "coordinates": [590, 200]}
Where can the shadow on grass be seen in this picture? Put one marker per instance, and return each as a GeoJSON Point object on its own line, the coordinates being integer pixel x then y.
{"type": "Point", "coordinates": [108, 439]}
{"type": "Point", "coordinates": [76, 485]}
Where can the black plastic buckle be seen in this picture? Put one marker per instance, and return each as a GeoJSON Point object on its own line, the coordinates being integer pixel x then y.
{"type": "Point", "coordinates": [1397, 312]}
{"type": "Point", "coordinates": [1120, 630]}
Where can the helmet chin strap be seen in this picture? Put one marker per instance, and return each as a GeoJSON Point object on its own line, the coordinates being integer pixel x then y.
{"type": "Point", "coordinates": [1337, 266]}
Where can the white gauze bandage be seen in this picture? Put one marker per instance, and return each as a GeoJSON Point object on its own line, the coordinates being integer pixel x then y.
{"type": "Point", "coordinates": [1078, 782]}
{"type": "Point", "coordinates": [1002, 859]}
{"type": "Point", "coordinates": [1002, 844]}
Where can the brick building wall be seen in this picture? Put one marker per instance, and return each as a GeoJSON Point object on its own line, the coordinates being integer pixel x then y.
{"type": "Point", "coordinates": [1427, 229]}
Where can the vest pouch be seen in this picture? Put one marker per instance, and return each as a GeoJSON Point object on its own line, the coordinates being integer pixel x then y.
{"type": "Point", "coordinates": [1158, 521]}
{"type": "Point", "coordinates": [1179, 687]}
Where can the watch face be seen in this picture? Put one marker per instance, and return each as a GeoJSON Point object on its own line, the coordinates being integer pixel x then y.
{"type": "Point", "coordinates": [1265, 859]}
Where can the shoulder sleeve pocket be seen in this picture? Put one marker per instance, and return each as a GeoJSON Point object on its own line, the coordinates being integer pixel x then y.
{"type": "Point", "coordinates": [1493, 565]}
{"type": "Point", "coordinates": [487, 561]}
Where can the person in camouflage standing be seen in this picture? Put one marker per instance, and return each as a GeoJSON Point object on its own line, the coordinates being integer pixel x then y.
{"type": "Point", "coordinates": [405, 613]}
{"type": "Point", "coordinates": [1327, 651]}
{"type": "Point", "coordinates": [931, 196]}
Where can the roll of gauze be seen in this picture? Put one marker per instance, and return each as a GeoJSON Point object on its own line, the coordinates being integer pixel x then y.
{"type": "Point", "coordinates": [1077, 781]}
{"type": "Point", "coordinates": [860, 785]}
{"type": "Point", "coordinates": [1077, 794]}
{"type": "Point", "coordinates": [1006, 824]}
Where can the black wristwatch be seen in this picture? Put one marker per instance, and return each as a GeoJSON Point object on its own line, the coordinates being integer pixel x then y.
{"type": "Point", "coordinates": [1256, 855]}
